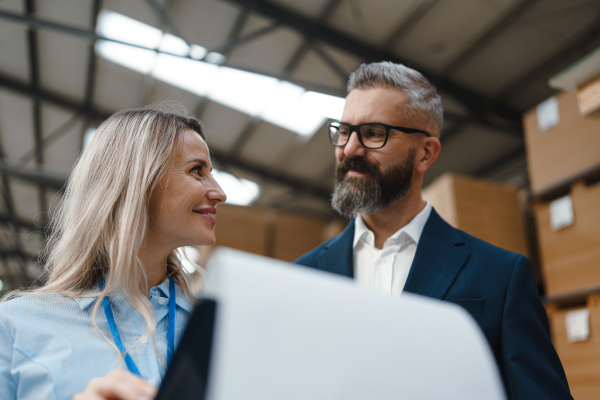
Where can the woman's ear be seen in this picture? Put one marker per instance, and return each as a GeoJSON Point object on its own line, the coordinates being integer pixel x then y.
{"type": "Point", "coordinates": [430, 149]}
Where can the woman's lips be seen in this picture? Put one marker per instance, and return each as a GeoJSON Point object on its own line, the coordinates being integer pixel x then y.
{"type": "Point", "coordinates": [207, 213]}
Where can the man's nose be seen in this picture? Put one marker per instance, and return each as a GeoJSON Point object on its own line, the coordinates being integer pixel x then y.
{"type": "Point", "coordinates": [353, 148]}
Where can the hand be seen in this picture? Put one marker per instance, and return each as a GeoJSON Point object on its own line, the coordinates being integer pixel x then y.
{"type": "Point", "coordinates": [118, 385]}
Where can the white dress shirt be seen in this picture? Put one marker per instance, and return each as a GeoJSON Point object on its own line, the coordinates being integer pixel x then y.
{"type": "Point", "coordinates": [386, 269]}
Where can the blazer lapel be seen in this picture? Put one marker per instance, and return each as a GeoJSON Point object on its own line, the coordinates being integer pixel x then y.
{"type": "Point", "coordinates": [440, 256]}
{"type": "Point", "coordinates": [338, 258]}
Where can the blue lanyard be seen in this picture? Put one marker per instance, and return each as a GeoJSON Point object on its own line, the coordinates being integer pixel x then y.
{"type": "Point", "coordinates": [117, 338]}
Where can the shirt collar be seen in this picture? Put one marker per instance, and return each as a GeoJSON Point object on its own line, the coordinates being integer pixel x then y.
{"type": "Point", "coordinates": [360, 231]}
{"type": "Point", "coordinates": [85, 302]}
{"type": "Point", "coordinates": [413, 229]}
{"type": "Point", "coordinates": [181, 299]}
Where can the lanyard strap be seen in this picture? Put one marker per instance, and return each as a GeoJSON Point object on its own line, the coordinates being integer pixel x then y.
{"type": "Point", "coordinates": [171, 330]}
{"type": "Point", "coordinates": [117, 338]}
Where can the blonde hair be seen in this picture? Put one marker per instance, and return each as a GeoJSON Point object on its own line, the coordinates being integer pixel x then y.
{"type": "Point", "coordinates": [100, 226]}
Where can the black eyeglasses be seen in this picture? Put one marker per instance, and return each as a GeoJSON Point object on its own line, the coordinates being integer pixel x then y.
{"type": "Point", "coordinates": [371, 135]}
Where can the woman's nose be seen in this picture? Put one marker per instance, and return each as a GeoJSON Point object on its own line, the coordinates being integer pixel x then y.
{"type": "Point", "coordinates": [215, 193]}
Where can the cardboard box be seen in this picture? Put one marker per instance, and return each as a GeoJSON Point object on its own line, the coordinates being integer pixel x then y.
{"type": "Point", "coordinates": [581, 360]}
{"type": "Point", "coordinates": [570, 257]}
{"type": "Point", "coordinates": [295, 235]}
{"type": "Point", "coordinates": [562, 151]}
{"type": "Point", "coordinates": [487, 210]}
{"type": "Point", "coordinates": [242, 228]}
{"type": "Point", "coordinates": [588, 98]}
{"type": "Point", "coordinates": [284, 236]}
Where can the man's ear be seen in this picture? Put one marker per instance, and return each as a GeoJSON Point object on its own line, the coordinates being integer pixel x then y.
{"type": "Point", "coordinates": [429, 151]}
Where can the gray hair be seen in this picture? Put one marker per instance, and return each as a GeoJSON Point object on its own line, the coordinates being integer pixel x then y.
{"type": "Point", "coordinates": [423, 103]}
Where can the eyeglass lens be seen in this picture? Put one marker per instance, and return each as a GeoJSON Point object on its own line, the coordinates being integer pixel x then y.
{"type": "Point", "coordinates": [373, 135]}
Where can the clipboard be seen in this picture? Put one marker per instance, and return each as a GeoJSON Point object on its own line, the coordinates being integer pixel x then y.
{"type": "Point", "coordinates": [269, 330]}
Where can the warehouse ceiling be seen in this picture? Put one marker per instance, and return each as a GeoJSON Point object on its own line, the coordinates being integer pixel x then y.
{"type": "Point", "coordinates": [264, 77]}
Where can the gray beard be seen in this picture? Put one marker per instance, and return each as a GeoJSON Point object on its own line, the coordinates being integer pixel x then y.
{"type": "Point", "coordinates": [351, 198]}
{"type": "Point", "coordinates": [373, 193]}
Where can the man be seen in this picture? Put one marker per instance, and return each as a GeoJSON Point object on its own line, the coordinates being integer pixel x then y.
{"type": "Point", "coordinates": [387, 138]}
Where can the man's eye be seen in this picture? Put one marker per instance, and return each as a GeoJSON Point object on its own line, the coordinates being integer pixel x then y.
{"type": "Point", "coordinates": [374, 133]}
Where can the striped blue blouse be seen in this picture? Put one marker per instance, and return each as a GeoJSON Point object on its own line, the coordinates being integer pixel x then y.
{"type": "Point", "coordinates": [49, 348]}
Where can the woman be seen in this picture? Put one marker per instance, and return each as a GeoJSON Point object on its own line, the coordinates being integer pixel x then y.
{"type": "Point", "coordinates": [141, 189]}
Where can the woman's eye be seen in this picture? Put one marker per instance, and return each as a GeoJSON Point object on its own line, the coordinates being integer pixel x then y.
{"type": "Point", "coordinates": [197, 170]}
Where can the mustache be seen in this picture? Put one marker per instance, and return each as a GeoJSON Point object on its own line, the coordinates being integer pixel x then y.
{"type": "Point", "coordinates": [357, 164]}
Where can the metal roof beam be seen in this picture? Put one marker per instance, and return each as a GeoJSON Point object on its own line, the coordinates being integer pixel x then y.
{"type": "Point", "coordinates": [238, 41]}
{"type": "Point", "coordinates": [331, 63]}
{"type": "Point", "coordinates": [90, 82]}
{"type": "Point", "coordinates": [410, 22]}
{"type": "Point", "coordinates": [34, 77]}
{"type": "Point", "coordinates": [6, 219]}
{"type": "Point", "coordinates": [490, 34]}
{"type": "Point", "coordinates": [76, 106]}
{"type": "Point", "coordinates": [55, 182]}
{"type": "Point", "coordinates": [50, 97]}
{"type": "Point", "coordinates": [5, 253]}
{"type": "Point", "coordinates": [302, 49]}
{"type": "Point", "coordinates": [315, 30]}
{"type": "Point", "coordinates": [43, 24]}
{"type": "Point", "coordinates": [511, 157]}
{"type": "Point", "coordinates": [268, 174]}
{"type": "Point", "coordinates": [48, 140]}
{"type": "Point", "coordinates": [582, 44]}
{"type": "Point", "coordinates": [38, 176]}
{"type": "Point", "coordinates": [244, 136]}
{"type": "Point", "coordinates": [238, 25]}
{"type": "Point", "coordinates": [165, 19]}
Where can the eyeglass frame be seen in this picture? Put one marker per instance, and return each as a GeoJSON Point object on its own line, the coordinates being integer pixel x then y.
{"type": "Point", "coordinates": [356, 128]}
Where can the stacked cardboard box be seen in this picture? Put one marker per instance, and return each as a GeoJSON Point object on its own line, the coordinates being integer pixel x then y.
{"type": "Point", "coordinates": [563, 149]}
{"type": "Point", "coordinates": [563, 162]}
{"type": "Point", "coordinates": [579, 350]}
{"type": "Point", "coordinates": [487, 210]}
{"type": "Point", "coordinates": [570, 255]}
{"type": "Point", "coordinates": [284, 236]}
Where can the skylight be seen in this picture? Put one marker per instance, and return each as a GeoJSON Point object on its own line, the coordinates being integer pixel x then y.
{"type": "Point", "coordinates": [88, 135]}
{"type": "Point", "coordinates": [239, 191]}
{"type": "Point", "coordinates": [278, 102]}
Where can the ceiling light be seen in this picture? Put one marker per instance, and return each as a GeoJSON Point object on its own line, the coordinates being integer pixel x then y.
{"type": "Point", "coordinates": [174, 45]}
{"type": "Point", "coordinates": [239, 191]}
{"type": "Point", "coordinates": [243, 91]}
{"type": "Point", "coordinates": [197, 52]}
{"type": "Point", "coordinates": [184, 73]}
{"type": "Point", "coordinates": [284, 110]}
{"type": "Point", "coordinates": [117, 26]}
{"type": "Point", "coordinates": [215, 58]}
{"type": "Point", "coordinates": [88, 135]}
{"type": "Point", "coordinates": [278, 102]}
{"type": "Point", "coordinates": [137, 59]}
{"type": "Point", "coordinates": [323, 104]}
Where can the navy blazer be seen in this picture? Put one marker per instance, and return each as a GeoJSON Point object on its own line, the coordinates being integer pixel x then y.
{"type": "Point", "coordinates": [497, 287]}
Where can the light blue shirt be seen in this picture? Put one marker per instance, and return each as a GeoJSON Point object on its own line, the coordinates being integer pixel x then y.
{"type": "Point", "coordinates": [49, 348]}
